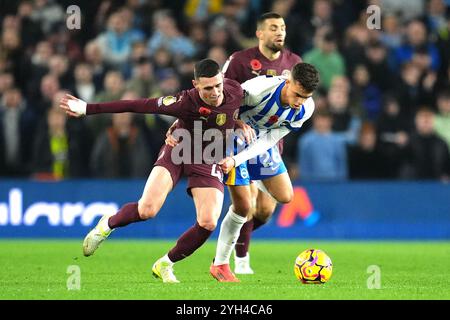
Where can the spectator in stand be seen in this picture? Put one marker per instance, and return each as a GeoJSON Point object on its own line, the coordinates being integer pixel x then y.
{"type": "Point", "coordinates": [84, 86]}
{"type": "Point", "coordinates": [326, 58]}
{"type": "Point", "coordinates": [365, 159]}
{"type": "Point", "coordinates": [37, 68]}
{"type": "Point", "coordinates": [48, 88]}
{"type": "Point", "coordinates": [142, 80]}
{"type": "Point", "coordinates": [392, 136]}
{"type": "Point", "coordinates": [138, 53]}
{"type": "Point", "coordinates": [344, 121]}
{"type": "Point", "coordinates": [94, 56]}
{"type": "Point", "coordinates": [163, 63]}
{"type": "Point", "coordinates": [442, 119]}
{"type": "Point", "coordinates": [116, 42]}
{"type": "Point", "coordinates": [167, 35]}
{"type": "Point", "coordinates": [59, 67]}
{"type": "Point", "coordinates": [320, 17]}
{"type": "Point", "coordinates": [6, 82]}
{"type": "Point", "coordinates": [365, 95]}
{"type": "Point", "coordinates": [416, 37]}
{"type": "Point", "coordinates": [408, 90]}
{"type": "Point", "coordinates": [376, 60]}
{"type": "Point", "coordinates": [428, 156]}
{"type": "Point", "coordinates": [444, 49]}
{"type": "Point", "coordinates": [322, 153]}
{"type": "Point", "coordinates": [48, 14]}
{"type": "Point", "coordinates": [199, 36]}
{"type": "Point", "coordinates": [114, 89]}
{"type": "Point", "coordinates": [199, 11]}
{"type": "Point", "coordinates": [390, 33]}
{"type": "Point", "coordinates": [11, 48]}
{"type": "Point", "coordinates": [356, 39]}
{"type": "Point", "coordinates": [17, 123]}
{"type": "Point", "coordinates": [30, 31]}
{"type": "Point", "coordinates": [219, 35]}
{"type": "Point", "coordinates": [168, 85]}
{"type": "Point", "coordinates": [218, 54]}
{"type": "Point", "coordinates": [406, 9]}
{"type": "Point", "coordinates": [435, 16]}
{"type": "Point", "coordinates": [121, 151]}
{"type": "Point", "coordinates": [61, 147]}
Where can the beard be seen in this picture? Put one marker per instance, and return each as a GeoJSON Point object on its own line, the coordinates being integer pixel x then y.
{"type": "Point", "coordinates": [275, 47]}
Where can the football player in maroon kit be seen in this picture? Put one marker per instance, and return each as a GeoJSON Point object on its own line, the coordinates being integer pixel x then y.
{"type": "Point", "coordinates": [268, 58]}
{"type": "Point", "coordinates": [212, 104]}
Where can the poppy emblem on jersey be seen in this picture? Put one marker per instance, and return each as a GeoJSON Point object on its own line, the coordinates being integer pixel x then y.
{"type": "Point", "coordinates": [204, 111]}
{"type": "Point", "coordinates": [273, 119]}
{"type": "Point", "coordinates": [255, 64]}
{"type": "Point", "coordinates": [167, 101]}
{"type": "Point", "coordinates": [221, 119]}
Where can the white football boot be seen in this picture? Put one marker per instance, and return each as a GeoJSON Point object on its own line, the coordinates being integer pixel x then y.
{"type": "Point", "coordinates": [242, 265]}
{"type": "Point", "coordinates": [164, 270]}
{"type": "Point", "coordinates": [96, 236]}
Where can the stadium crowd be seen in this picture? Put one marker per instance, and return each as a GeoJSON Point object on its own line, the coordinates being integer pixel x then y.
{"type": "Point", "coordinates": [382, 111]}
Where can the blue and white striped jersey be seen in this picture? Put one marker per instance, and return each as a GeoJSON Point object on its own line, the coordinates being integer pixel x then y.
{"type": "Point", "coordinates": [262, 109]}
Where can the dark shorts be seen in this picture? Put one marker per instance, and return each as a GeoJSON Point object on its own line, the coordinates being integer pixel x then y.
{"type": "Point", "coordinates": [199, 175]}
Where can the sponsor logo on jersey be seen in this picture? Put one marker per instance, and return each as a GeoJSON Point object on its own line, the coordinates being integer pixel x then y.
{"type": "Point", "coordinates": [286, 73]}
{"type": "Point", "coordinates": [221, 119]}
{"type": "Point", "coordinates": [168, 100]}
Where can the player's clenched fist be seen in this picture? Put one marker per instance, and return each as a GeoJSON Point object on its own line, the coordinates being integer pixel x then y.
{"type": "Point", "coordinates": [170, 139]}
{"type": "Point", "coordinates": [227, 164]}
{"type": "Point", "coordinates": [73, 106]}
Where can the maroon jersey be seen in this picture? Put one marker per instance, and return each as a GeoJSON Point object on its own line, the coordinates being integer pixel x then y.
{"type": "Point", "coordinates": [188, 107]}
{"type": "Point", "coordinates": [247, 64]}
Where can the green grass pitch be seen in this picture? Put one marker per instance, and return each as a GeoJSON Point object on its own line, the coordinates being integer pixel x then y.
{"type": "Point", "coordinates": [38, 269]}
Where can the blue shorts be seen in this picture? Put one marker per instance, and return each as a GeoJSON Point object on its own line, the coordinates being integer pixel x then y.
{"type": "Point", "coordinates": [264, 166]}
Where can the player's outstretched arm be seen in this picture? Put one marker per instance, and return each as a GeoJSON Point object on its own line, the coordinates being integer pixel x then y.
{"type": "Point", "coordinates": [76, 107]}
{"type": "Point", "coordinates": [262, 144]}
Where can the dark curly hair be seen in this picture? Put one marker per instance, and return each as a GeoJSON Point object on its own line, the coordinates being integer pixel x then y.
{"type": "Point", "coordinates": [307, 75]}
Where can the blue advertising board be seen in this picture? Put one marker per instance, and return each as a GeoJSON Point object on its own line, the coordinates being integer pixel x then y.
{"type": "Point", "coordinates": [355, 210]}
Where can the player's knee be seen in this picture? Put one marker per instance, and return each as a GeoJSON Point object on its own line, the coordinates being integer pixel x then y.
{"type": "Point", "coordinates": [208, 224]}
{"type": "Point", "coordinates": [264, 213]}
{"type": "Point", "coordinates": [285, 197]}
{"type": "Point", "coordinates": [147, 210]}
{"type": "Point", "coordinates": [242, 207]}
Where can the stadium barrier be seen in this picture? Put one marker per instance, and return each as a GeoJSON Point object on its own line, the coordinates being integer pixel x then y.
{"type": "Point", "coordinates": [354, 210]}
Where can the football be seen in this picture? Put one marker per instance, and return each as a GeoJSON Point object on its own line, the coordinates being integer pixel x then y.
{"type": "Point", "coordinates": [313, 266]}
